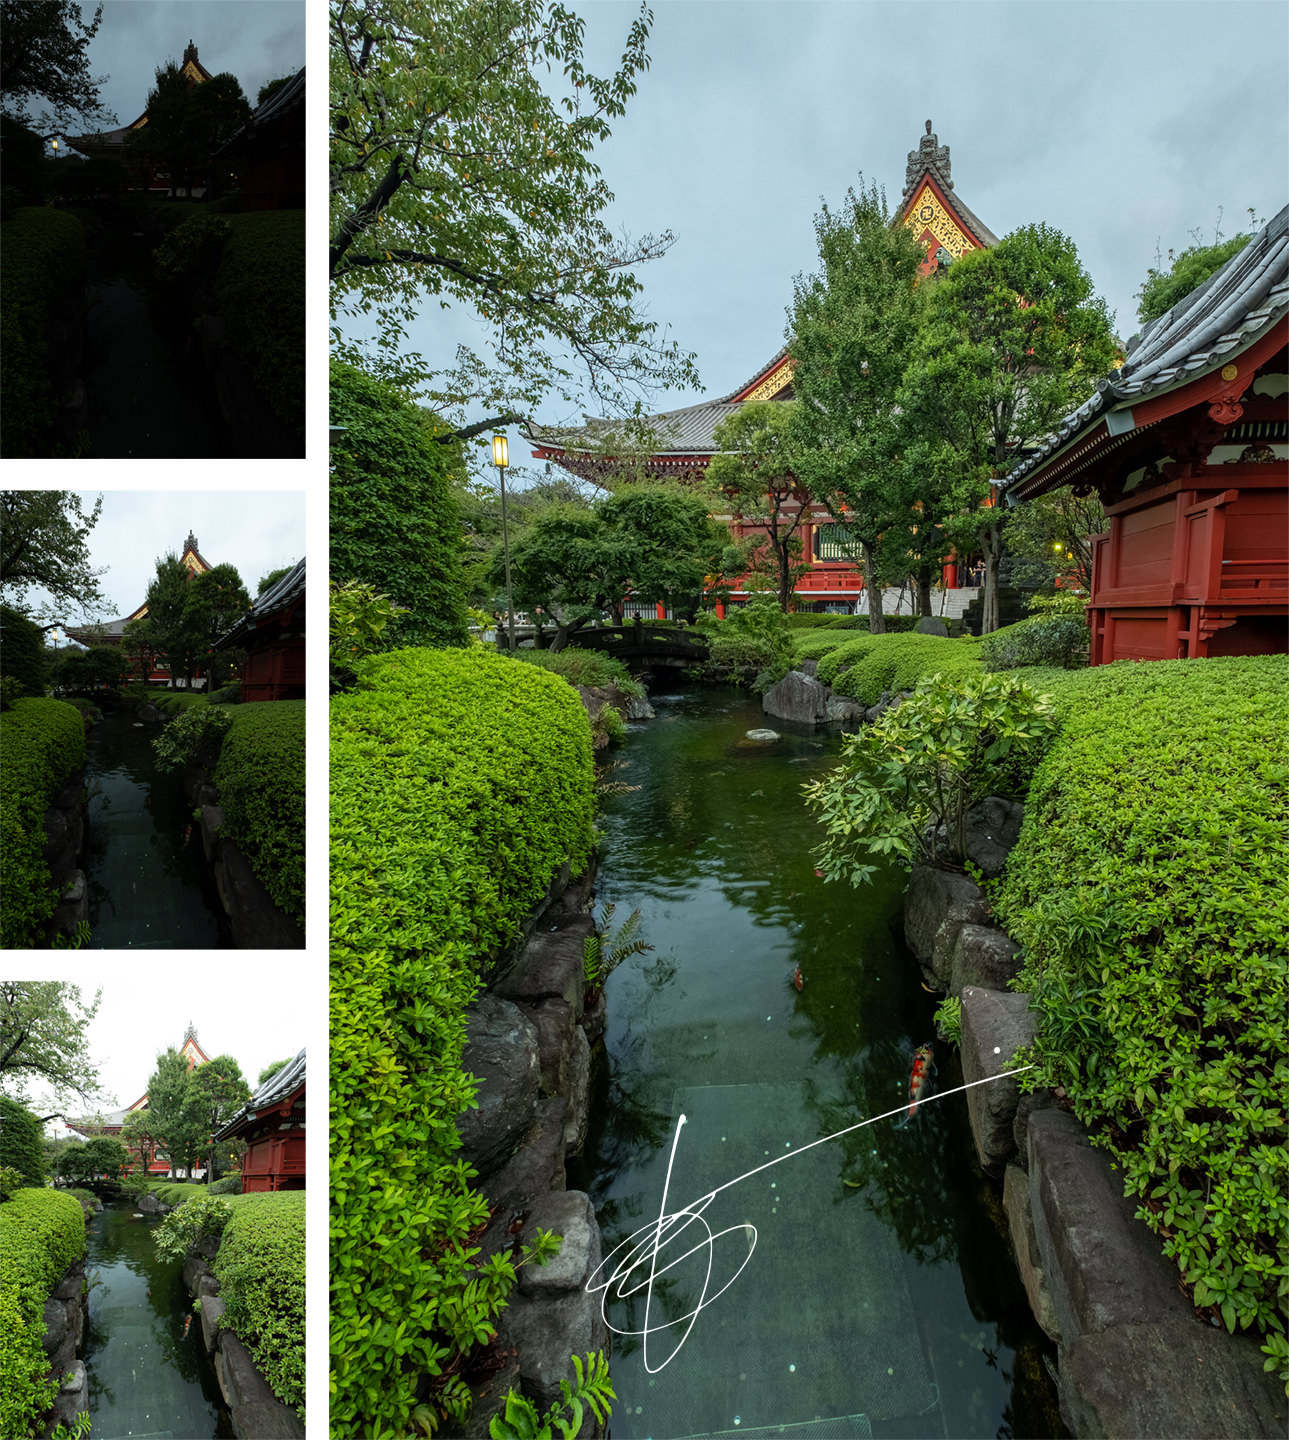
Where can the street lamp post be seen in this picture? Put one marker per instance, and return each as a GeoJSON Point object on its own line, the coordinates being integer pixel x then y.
{"type": "Point", "coordinates": [501, 459]}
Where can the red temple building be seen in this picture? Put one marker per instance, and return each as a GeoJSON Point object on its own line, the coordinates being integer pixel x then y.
{"type": "Point", "coordinates": [115, 144]}
{"type": "Point", "coordinates": [685, 438]}
{"type": "Point", "coordinates": [266, 156]}
{"type": "Point", "coordinates": [272, 1125]}
{"type": "Point", "coordinates": [1186, 446]}
{"type": "Point", "coordinates": [111, 1125]}
{"type": "Point", "coordinates": [272, 635]}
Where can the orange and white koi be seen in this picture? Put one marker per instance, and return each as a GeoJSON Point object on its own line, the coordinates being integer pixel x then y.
{"type": "Point", "coordinates": [798, 979]}
{"type": "Point", "coordinates": [187, 1323]}
{"type": "Point", "coordinates": [919, 1081]}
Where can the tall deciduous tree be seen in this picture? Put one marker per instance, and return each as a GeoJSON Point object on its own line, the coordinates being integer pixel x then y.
{"type": "Point", "coordinates": [758, 472]}
{"type": "Point", "coordinates": [44, 53]}
{"type": "Point", "coordinates": [180, 1111]}
{"type": "Point", "coordinates": [43, 1039]}
{"type": "Point", "coordinates": [1015, 339]}
{"type": "Point", "coordinates": [1162, 289]}
{"type": "Point", "coordinates": [187, 123]}
{"type": "Point", "coordinates": [461, 171]}
{"type": "Point", "coordinates": [142, 1133]}
{"type": "Point", "coordinates": [44, 544]}
{"type": "Point", "coordinates": [852, 330]}
{"type": "Point", "coordinates": [176, 631]}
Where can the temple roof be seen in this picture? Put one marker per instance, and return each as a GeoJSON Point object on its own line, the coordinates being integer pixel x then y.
{"type": "Point", "coordinates": [196, 73]}
{"type": "Point", "coordinates": [273, 1091]}
{"type": "Point", "coordinates": [1233, 309]}
{"type": "Point", "coordinates": [278, 597]}
{"type": "Point", "coordinates": [282, 103]}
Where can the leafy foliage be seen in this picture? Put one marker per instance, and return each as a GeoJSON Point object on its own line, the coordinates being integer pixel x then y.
{"type": "Point", "coordinates": [359, 619]}
{"type": "Point", "coordinates": [43, 1025]}
{"type": "Point", "coordinates": [1162, 289]}
{"type": "Point", "coordinates": [752, 646]}
{"type": "Point", "coordinates": [44, 260]}
{"type": "Point", "coordinates": [22, 641]}
{"type": "Point", "coordinates": [46, 54]}
{"type": "Point", "coordinates": [461, 782]}
{"type": "Point", "coordinates": [201, 1217]}
{"type": "Point", "coordinates": [867, 665]}
{"type": "Point", "coordinates": [42, 1233]}
{"type": "Point", "coordinates": [1147, 890]}
{"type": "Point", "coordinates": [44, 544]}
{"type": "Point", "coordinates": [260, 1269]}
{"type": "Point", "coordinates": [43, 743]}
{"type": "Point", "coordinates": [194, 737]}
{"type": "Point", "coordinates": [591, 668]}
{"type": "Point", "coordinates": [260, 776]}
{"type": "Point", "coordinates": [21, 1147]}
{"type": "Point", "coordinates": [591, 1388]}
{"type": "Point", "coordinates": [606, 947]}
{"type": "Point", "coordinates": [853, 326]}
{"type": "Point", "coordinates": [393, 516]}
{"type": "Point", "coordinates": [188, 123]}
{"type": "Point", "coordinates": [1057, 639]}
{"type": "Point", "coordinates": [913, 774]}
{"type": "Point", "coordinates": [472, 181]}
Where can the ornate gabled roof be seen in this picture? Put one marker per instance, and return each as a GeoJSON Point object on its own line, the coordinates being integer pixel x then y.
{"type": "Point", "coordinates": [279, 596]}
{"type": "Point", "coordinates": [277, 1088]}
{"type": "Point", "coordinates": [1235, 308]}
{"type": "Point", "coordinates": [931, 207]}
{"type": "Point", "coordinates": [114, 140]}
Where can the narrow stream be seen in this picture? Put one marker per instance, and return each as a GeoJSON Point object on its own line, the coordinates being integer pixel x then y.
{"type": "Point", "coordinates": [149, 884]}
{"type": "Point", "coordinates": [147, 1379]}
{"type": "Point", "coordinates": [879, 1297]}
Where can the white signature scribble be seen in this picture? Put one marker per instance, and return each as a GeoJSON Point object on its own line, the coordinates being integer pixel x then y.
{"type": "Point", "coordinates": [645, 1257]}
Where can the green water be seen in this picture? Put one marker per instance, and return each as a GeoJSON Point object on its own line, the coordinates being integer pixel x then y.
{"type": "Point", "coordinates": [149, 884]}
{"type": "Point", "coordinates": [877, 1295]}
{"type": "Point", "coordinates": [146, 1377]}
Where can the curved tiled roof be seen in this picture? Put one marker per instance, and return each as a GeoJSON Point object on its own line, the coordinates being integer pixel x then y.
{"type": "Point", "coordinates": [1233, 308]}
{"type": "Point", "coordinates": [277, 597]}
{"type": "Point", "coordinates": [276, 1088]}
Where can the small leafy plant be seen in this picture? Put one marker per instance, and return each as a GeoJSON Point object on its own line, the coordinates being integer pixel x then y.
{"type": "Point", "coordinates": [591, 1387]}
{"type": "Point", "coordinates": [195, 736]}
{"type": "Point", "coordinates": [604, 950]}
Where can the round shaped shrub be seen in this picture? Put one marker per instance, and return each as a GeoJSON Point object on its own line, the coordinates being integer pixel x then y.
{"type": "Point", "coordinates": [1057, 639]}
{"type": "Point", "coordinates": [20, 1141]}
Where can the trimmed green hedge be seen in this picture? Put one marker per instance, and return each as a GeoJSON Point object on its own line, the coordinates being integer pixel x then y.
{"type": "Point", "coordinates": [42, 1233]}
{"type": "Point", "coordinates": [1148, 891]}
{"type": "Point", "coordinates": [869, 664]}
{"type": "Point", "coordinates": [260, 778]}
{"type": "Point", "coordinates": [1060, 640]}
{"type": "Point", "coordinates": [42, 255]}
{"type": "Point", "coordinates": [815, 644]}
{"type": "Point", "coordinates": [21, 1141]}
{"type": "Point", "coordinates": [260, 288]}
{"type": "Point", "coordinates": [583, 667]}
{"type": "Point", "coordinates": [461, 782]}
{"type": "Point", "coordinates": [41, 743]}
{"type": "Point", "coordinates": [260, 1268]}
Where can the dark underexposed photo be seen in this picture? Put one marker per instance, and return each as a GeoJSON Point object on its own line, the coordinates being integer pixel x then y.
{"type": "Point", "coordinates": [152, 229]}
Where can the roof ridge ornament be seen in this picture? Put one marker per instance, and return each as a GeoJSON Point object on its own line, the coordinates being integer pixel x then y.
{"type": "Point", "coordinates": [929, 156]}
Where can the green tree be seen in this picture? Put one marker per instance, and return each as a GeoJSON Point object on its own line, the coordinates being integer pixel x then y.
{"type": "Point", "coordinates": [180, 1111]}
{"type": "Point", "coordinates": [1014, 339]}
{"type": "Point", "coordinates": [23, 658]}
{"type": "Point", "coordinates": [757, 472]}
{"type": "Point", "coordinates": [44, 544]}
{"type": "Point", "coordinates": [45, 54]}
{"type": "Point", "coordinates": [223, 1088]}
{"type": "Point", "coordinates": [139, 646]}
{"type": "Point", "coordinates": [187, 123]}
{"type": "Point", "coordinates": [462, 172]}
{"type": "Point", "coordinates": [21, 1145]}
{"type": "Point", "coordinates": [393, 516]}
{"type": "Point", "coordinates": [270, 1070]}
{"type": "Point", "coordinates": [43, 1038]}
{"type": "Point", "coordinates": [853, 327]}
{"type": "Point", "coordinates": [1051, 536]}
{"type": "Point", "coordinates": [217, 600]}
{"type": "Point", "coordinates": [272, 578]}
{"type": "Point", "coordinates": [142, 1134]}
{"type": "Point", "coordinates": [1162, 289]}
{"type": "Point", "coordinates": [106, 1156]}
{"type": "Point", "coordinates": [175, 628]}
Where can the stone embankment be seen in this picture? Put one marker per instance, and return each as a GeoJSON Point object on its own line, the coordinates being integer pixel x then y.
{"type": "Point", "coordinates": [256, 922]}
{"type": "Point", "coordinates": [530, 1039]}
{"type": "Point", "coordinates": [256, 1413]}
{"type": "Point", "coordinates": [65, 1323]}
{"type": "Point", "coordinates": [1134, 1359]}
{"type": "Point", "coordinates": [66, 830]}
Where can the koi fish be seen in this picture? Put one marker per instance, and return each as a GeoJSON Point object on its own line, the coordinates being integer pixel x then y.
{"type": "Point", "coordinates": [798, 979]}
{"type": "Point", "coordinates": [919, 1081]}
{"type": "Point", "coordinates": [187, 1323]}
{"type": "Point", "coordinates": [187, 833]}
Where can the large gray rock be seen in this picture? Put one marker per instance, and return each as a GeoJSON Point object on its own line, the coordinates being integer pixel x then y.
{"type": "Point", "coordinates": [552, 964]}
{"type": "Point", "coordinates": [547, 1332]}
{"type": "Point", "coordinates": [570, 1215]}
{"type": "Point", "coordinates": [1174, 1378]}
{"type": "Point", "coordinates": [536, 1166]}
{"type": "Point", "coordinates": [501, 1049]}
{"type": "Point", "coordinates": [995, 1024]}
{"type": "Point", "coordinates": [930, 625]}
{"type": "Point", "coordinates": [261, 1421]}
{"type": "Point", "coordinates": [1103, 1266]}
{"type": "Point", "coordinates": [992, 829]}
{"type": "Point", "coordinates": [578, 1094]}
{"type": "Point", "coordinates": [798, 697]}
{"type": "Point", "coordinates": [256, 922]}
{"type": "Point", "coordinates": [212, 1307]}
{"type": "Point", "coordinates": [239, 1381]}
{"type": "Point", "coordinates": [1020, 1220]}
{"type": "Point", "coordinates": [937, 905]}
{"type": "Point", "coordinates": [982, 956]}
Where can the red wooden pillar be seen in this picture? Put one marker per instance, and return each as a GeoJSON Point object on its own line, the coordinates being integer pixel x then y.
{"type": "Point", "coordinates": [720, 610]}
{"type": "Point", "coordinates": [661, 610]}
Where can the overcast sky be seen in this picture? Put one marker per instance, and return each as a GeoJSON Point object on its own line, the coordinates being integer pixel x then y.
{"type": "Point", "coordinates": [1127, 125]}
{"type": "Point", "coordinates": [256, 40]}
{"type": "Point", "coordinates": [140, 1017]}
{"type": "Point", "coordinates": [255, 531]}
